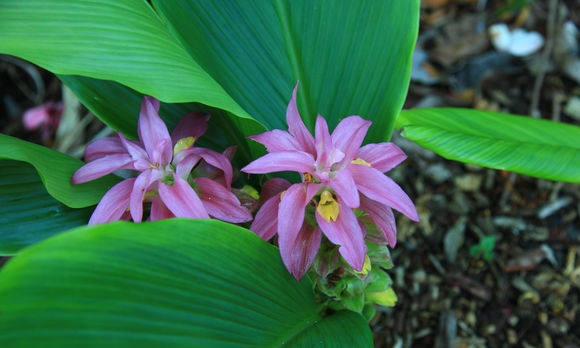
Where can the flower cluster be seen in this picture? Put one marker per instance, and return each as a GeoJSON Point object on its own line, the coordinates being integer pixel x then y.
{"type": "Point", "coordinates": [340, 181]}
{"type": "Point", "coordinates": [178, 179]}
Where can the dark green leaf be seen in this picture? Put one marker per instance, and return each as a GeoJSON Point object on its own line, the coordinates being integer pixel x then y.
{"type": "Point", "coordinates": [525, 145]}
{"type": "Point", "coordinates": [174, 283]}
{"type": "Point", "coordinates": [28, 214]}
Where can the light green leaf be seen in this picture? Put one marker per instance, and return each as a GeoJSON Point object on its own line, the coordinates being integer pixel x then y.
{"type": "Point", "coordinates": [351, 57]}
{"type": "Point", "coordinates": [56, 169]}
{"type": "Point", "coordinates": [28, 214]}
{"type": "Point", "coordinates": [118, 40]}
{"type": "Point", "coordinates": [174, 283]}
{"type": "Point", "coordinates": [524, 145]}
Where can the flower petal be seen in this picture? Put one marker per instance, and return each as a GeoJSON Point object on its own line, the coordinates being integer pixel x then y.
{"type": "Point", "coordinates": [221, 203]}
{"type": "Point", "coordinates": [379, 187]}
{"type": "Point", "coordinates": [304, 250]}
{"type": "Point", "coordinates": [159, 211]}
{"type": "Point", "coordinates": [194, 124]}
{"type": "Point", "coordinates": [181, 199]}
{"type": "Point", "coordinates": [144, 180]}
{"type": "Point", "coordinates": [265, 224]}
{"type": "Point", "coordinates": [136, 151]}
{"type": "Point", "coordinates": [216, 160]}
{"type": "Point", "coordinates": [36, 117]}
{"type": "Point", "coordinates": [323, 143]}
{"type": "Point", "coordinates": [101, 167]}
{"type": "Point", "coordinates": [295, 161]}
{"type": "Point", "coordinates": [277, 140]}
{"type": "Point", "coordinates": [349, 135]}
{"type": "Point", "coordinates": [346, 232]}
{"type": "Point", "coordinates": [297, 128]}
{"type": "Point", "coordinates": [382, 156]}
{"type": "Point", "coordinates": [102, 147]}
{"type": "Point", "coordinates": [185, 165]}
{"type": "Point", "coordinates": [153, 132]}
{"type": "Point", "coordinates": [343, 184]}
{"type": "Point", "coordinates": [383, 218]}
{"type": "Point", "coordinates": [273, 187]}
{"type": "Point", "coordinates": [290, 220]}
{"type": "Point", "coordinates": [113, 204]}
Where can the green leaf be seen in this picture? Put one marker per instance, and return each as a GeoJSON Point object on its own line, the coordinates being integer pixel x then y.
{"type": "Point", "coordinates": [524, 145]}
{"type": "Point", "coordinates": [118, 40]}
{"type": "Point", "coordinates": [351, 57]}
{"type": "Point", "coordinates": [55, 170]}
{"type": "Point", "coordinates": [28, 214]}
{"type": "Point", "coordinates": [177, 283]}
{"type": "Point", "coordinates": [118, 106]}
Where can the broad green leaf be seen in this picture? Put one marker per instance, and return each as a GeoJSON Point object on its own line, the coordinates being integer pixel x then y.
{"type": "Point", "coordinates": [56, 169]}
{"type": "Point", "coordinates": [28, 214]}
{"type": "Point", "coordinates": [118, 106]}
{"type": "Point", "coordinates": [351, 57]}
{"type": "Point", "coordinates": [118, 40]}
{"type": "Point", "coordinates": [174, 283]}
{"type": "Point", "coordinates": [524, 145]}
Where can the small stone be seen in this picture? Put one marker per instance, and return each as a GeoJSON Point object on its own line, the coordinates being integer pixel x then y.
{"type": "Point", "coordinates": [468, 182]}
{"type": "Point", "coordinates": [512, 336]}
{"type": "Point", "coordinates": [438, 172]}
{"type": "Point", "coordinates": [572, 107]}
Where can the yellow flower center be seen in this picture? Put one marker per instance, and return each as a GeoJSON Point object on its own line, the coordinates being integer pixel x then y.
{"type": "Point", "coordinates": [327, 207]}
{"type": "Point", "coordinates": [182, 144]}
{"type": "Point", "coordinates": [308, 178]}
{"type": "Point", "coordinates": [361, 161]}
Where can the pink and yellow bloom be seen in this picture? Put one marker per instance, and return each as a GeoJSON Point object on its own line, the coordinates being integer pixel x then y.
{"type": "Point", "coordinates": [164, 164]}
{"type": "Point", "coordinates": [338, 177]}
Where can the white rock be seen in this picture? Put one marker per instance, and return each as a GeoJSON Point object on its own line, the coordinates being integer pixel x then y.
{"type": "Point", "coordinates": [517, 42]}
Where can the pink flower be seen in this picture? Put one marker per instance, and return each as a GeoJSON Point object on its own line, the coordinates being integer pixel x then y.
{"type": "Point", "coordinates": [45, 117]}
{"type": "Point", "coordinates": [338, 175]}
{"type": "Point", "coordinates": [165, 164]}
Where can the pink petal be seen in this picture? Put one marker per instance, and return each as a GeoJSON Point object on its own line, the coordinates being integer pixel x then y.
{"type": "Point", "coordinates": [35, 117]}
{"type": "Point", "coordinates": [382, 156]}
{"type": "Point", "coordinates": [182, 200]}
{"type": "Point", "coordinates": [215, 159]}
{"type": "Point", "coordinates": [153, 132]}
{"type": "Point", "coordinates": [295, 161]}
{"type": "Point", "coordinates": [304, 250]}
{"type": "Point", "coordinates": [194, 124]}
{"type": "Point", "coordinates": [290, 219]}
{"type": "Point", "coordinates": [140, 187]}
{"type": "Point", "coordinates": [349, 135]}
{"type": "Point", "coordinates": [346, 232]}
{"type": "Point", "coordinates": [297, 128]}
{"type": "Point", "coordinates": [101, 167]}
{"type": "Point", "coordinates": [159, 211]}
{"type": "Point", "coordinates": [265, 223]}
{"type": "Point", "coordinates": [140, 157]}
{"type": "Point", "coordinates": [104, 146]}
{"type": "Point", "coordinates": [185, 166]}
{"type": "Point", "coordinates": [277, 140]}
{"type": "Point", "coordinates": [221, 203]}
{"type": "Point", "coordinates": [379, 187]}
{"type": "Point", "coordinates": [230, 152]}
{"type": "Point", "coordinates": [273, 187]}
{"type": "Point", "coordinates": [343, 184]}
{"type": "Point", "coordinates": [114, 203]}
{"type": "Point", "coordinates": [383, 217]}
{"type": "Point", "coordinates": [323, 144]}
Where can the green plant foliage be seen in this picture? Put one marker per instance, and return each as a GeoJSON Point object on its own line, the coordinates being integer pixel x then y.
{"type": "Point", "coordinates": [118, 106]}
{"type": "Point", "coordinates": [351, 57]}
{"type": "Point", "coordinates": [118, 40]}
{"type": "Point", "coordinates": [484, 248]}
{"type": "Point", "coordinates": [28, 214]}
{"type": "Point", "coordinates": [55, 170]}
{"type": "Point", "coordinates": [176, 282]}
{"type": "Point", "coordinates": [524, 145]}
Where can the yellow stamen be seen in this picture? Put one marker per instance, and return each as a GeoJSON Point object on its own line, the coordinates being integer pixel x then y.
{"type": "Point", "coordinates": [308, 178]}
{"type": "Point", "coordinates": [366, 267]}
{"type": "Point", "coordinates": [327, 207]}
{"type": "Point", "coordinates": [183, 144]}
{"type": "Point", "coordinates": [361, 161]}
